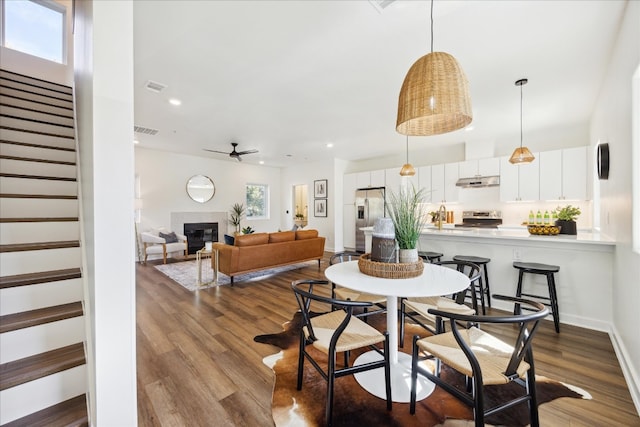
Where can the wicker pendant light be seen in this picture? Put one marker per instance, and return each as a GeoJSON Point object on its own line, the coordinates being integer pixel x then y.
{"type": "Point", "coordinates": [434, 98]}
{"type": "Point", "coordinates": [521, 154]}
{"type": "Point", "coordinates": [407, 168]}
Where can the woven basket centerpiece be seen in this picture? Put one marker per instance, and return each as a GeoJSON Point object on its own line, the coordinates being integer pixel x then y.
{"type": "Point", "coordinates": [390, 270]}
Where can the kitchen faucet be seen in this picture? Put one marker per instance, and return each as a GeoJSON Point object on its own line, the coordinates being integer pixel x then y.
{"type": "Point", "coordinates": [442, 213]}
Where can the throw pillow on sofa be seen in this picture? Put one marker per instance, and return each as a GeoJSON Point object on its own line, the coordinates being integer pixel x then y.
{"type": "Point", "coordinates": [169, 237]}
{"type": "Point", "coordinates": [229, 240]}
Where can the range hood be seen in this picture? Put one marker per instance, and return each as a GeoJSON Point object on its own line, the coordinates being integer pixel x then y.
{"type": "Point", "coordinates": [479, 181]}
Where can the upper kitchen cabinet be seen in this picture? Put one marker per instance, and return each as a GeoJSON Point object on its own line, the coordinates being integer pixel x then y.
{"type": "Point", "coordinates": [443, 183]}
{"type": "Point", "coordinates": [424, 181]}
{"type": "Point", "coordinates": [349, 189]}
{"type": "Point", "coordinates": [479, 167]}
{"type": "Point", "coordinates": [370, 179]}
{"type": "Point", "coordinates": [563, 174]}
{"type": "Point", "coordinates": [519, 182]}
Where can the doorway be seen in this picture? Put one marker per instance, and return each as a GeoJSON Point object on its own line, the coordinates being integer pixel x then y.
{"type": "Point", "coordinates": [300, 205]}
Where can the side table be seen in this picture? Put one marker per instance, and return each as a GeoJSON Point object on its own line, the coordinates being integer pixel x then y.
{"type": "Point", "coordinates": [204, 254]}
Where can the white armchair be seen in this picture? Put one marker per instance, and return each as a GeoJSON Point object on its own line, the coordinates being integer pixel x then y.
{"type": "Point", "coordinates": [156, 245]}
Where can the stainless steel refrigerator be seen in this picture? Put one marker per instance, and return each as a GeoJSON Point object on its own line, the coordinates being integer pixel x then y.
{"type": "Point", "coordinates": [369, 207]}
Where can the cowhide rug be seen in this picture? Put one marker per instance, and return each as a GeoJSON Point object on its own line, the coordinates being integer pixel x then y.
{"type": "Point", "coordinates": [353, 406]}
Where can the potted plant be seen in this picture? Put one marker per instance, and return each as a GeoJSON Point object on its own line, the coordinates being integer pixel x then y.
{"type": "Point", "coordinates": [405, 210]}
{"type": "Point", "coordinates": [236, 213]}
{"type": "Point", "coordinates": [248, 230]}
{"type": "Point", "coordinates": [567, 219]}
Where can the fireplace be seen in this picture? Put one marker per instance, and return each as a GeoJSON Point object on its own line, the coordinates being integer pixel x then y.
{"type": "Point", "coordinates": [198, 233]}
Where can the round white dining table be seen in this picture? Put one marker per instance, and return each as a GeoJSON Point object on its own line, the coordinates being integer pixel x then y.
{"type": "Point", "coordinates": [435, 280]}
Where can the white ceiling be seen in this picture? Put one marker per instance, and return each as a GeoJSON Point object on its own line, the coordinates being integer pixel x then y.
{"type": "Point", "coordinates": [288, 77]}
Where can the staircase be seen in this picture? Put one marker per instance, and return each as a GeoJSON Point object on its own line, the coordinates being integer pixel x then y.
{"type": "Point", "coordinates": [43, 375]}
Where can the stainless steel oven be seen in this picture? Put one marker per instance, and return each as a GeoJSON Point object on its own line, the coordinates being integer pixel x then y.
{"type": "Point", "coordinates": [481, 219]}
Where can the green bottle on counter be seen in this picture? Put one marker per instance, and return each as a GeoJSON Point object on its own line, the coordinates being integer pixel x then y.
{"type": "Point", "coordinates": [538, 218]}
{"type": "Point", "coordinates": [546, 218]}
{"type": "Point", "coordinates": [531, 218]}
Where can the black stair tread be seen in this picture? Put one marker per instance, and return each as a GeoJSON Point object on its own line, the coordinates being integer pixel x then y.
{"type": "Point", "coordinates": [40, 316]}
{"type": "Point", "coordinates": [32, 159]}
{"type": "Point", "coordinates": [62, 96]}
{"type": "Point", "coordinates": [37, 246]}
{"type": "Point", "coordinates": [52, 178]}
{"type": "Point", "coordinates": [39, 277]}
{"type": "Point", "coordinates": [70, 413]}
{"type": "Point", "coordinates": [34, 110]}
{"type": "Point", "coordinates": [42, 122]}
{"type": "Point", "coordinates": [37, 196]}
{"type": "Point", "coordinates": [39, 219]}
{"type": "Point", "coordinates": [30, 144]}
{"type": "Point", "coordinates": [41, 365]}
{"type": "Point", "coordinates": [63, 88]}
{"type": "Point", "coordinates": [57, 135]}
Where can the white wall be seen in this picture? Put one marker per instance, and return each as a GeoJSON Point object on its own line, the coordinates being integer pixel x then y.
{"type": "Point", "coordinates": [163, 179]}
{"type": "Point", "coordinates": [104, 108]}
{"type": "Point", "coordinates": [611, 122]}
{"type": "Point", "coordinates": [306, 174]}
{"type": "Point", "coordinates": [18, 62]}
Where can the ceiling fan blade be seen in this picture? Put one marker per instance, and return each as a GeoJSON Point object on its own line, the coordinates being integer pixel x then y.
{"type": "Point", "coordinates": [238, 158]}
{"type": "Point", "coordinates": [247, 152]}
{"type": "Point", "coordinates": [216, 151]}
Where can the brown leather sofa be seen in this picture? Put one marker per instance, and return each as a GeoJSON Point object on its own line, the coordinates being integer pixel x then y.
{"type": "Point", "coordinates": [258, 251]}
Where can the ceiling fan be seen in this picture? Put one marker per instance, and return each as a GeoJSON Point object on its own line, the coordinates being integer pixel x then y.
{"type": "Point", "coordinates": [234, 154]}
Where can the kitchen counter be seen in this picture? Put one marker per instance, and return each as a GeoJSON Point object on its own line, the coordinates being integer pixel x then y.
{"type": "Point", "coordinates": [518, 233]}
{"type": "Point", "coordinates": [586, 266]}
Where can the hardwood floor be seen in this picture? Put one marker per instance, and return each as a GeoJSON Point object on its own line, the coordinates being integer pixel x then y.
{"type": "Point", "coordinates": [199, 366]}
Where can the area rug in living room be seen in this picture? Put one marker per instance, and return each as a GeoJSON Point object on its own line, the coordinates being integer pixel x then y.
{"type": "Point", "coordinates": [353, 406]}
{"type": "Point", "coordinates": [186, 273]}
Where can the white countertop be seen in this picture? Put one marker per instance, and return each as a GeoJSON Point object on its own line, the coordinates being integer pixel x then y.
{"type": "Point", "coordinates": [519, 233]}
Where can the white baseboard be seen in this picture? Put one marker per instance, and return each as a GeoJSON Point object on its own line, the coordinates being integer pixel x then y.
{"type": "Point", "coordinates": [628, 370]}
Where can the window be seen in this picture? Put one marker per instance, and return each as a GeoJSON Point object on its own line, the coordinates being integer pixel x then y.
{"type": "Point", "coordinates": [257, 201]}
{"type": "Point", "coordinates": [35, 27]}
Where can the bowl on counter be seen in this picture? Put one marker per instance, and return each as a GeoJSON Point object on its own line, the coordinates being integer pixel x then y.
{"type": "Point", "coordinates": [543, 230]}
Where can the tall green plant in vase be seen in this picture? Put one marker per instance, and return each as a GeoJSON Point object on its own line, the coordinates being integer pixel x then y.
{"type": "Point", "coordinates": [235, 215]}
{"type": "Point", "coordinates": [405, 209]}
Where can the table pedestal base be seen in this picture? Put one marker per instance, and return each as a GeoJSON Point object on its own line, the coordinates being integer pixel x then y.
{"type": "Point", "coordinates": [373, 380]}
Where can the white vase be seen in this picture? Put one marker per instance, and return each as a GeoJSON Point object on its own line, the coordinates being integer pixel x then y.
{"type": "Point", "coordinates": [408, 255]}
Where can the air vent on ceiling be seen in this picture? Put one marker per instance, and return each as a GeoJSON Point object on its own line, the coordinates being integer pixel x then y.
{"type": "Point", "coordinates": [154, 86]}
{"type": "Point", "coordinates": [146, 131]}
{"type": "Point", "coordinates": [379, 5]}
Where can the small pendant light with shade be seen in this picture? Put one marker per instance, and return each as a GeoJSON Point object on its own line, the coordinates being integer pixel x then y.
{"type": "Point", "coordinates": [521, 154]}
{"type": "Point", "coordinates": [407, 168]}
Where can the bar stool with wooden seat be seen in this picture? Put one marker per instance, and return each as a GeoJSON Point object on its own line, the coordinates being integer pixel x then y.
{"type": "Point", "coordinates": [430, 256]}
{"type": "Point", "coordinates": [547, 270]}
{"type": "Point", "coordinates": [483, 283]}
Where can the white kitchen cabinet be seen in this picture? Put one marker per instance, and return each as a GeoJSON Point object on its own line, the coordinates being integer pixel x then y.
{"type": "Point", "coordinates": [443, 183]}
{"type": "Point", "coordinates": [479, 167]}
{"type": "Point", "coordinates": [519, 182]}
{"type": "Point", "coordinates": [424, 181]}
{"type": "Point", "coordinates": [392, 180]}
{"type": "Point", "coordinates": [370, 179]}
{"type": "Point", "coordinates": [563, 174]}
{"type": "Point", "coordinates": [349, 188]}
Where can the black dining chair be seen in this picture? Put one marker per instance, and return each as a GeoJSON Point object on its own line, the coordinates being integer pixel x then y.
{"type": "Point", "coordinates": [336, 331]}
{"type": "Point", "coordinates": [483, 358]}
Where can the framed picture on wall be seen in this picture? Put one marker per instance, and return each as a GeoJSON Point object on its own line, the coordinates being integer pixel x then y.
{"type": "Point", "coordinates": [320, 208]}
{"type": "Point", "coordinates": [320, 189]}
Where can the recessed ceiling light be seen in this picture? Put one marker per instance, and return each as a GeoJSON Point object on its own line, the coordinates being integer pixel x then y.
{"type": "Point", "coordinates": [468, 128]}
{"type": "Point", "coordinates": [261, 162]}
{"type": "Point", "coordinates": [174, 101]}
{"type": "Point", "coordinates": [329, 145]}
{"type": "Point", "coordinates": [135, 141]}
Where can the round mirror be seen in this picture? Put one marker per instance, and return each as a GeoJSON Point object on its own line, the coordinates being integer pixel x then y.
{"type": "Point", "coordinates": [200, 188]}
